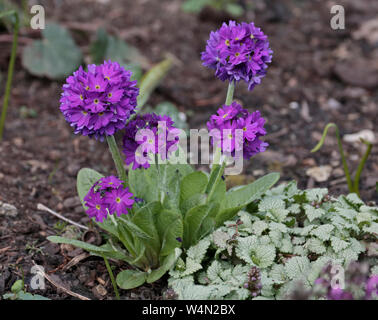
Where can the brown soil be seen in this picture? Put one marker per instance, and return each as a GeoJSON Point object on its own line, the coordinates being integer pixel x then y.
{"type": "Point", "coordinates": [319, 75]}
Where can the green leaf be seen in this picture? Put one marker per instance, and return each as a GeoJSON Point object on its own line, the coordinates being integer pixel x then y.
{"type": "Point", "coordinates": [242, 196]}
{"type": "Point", "coordinates": [85, 180]}
{"type": "Point", "coordinates": [234, 9]}
{"type": "Point", "coordinates": [130, 279]}
{"type": "Point", "coordinates": [168, 263]}
{"type": "Point", "coordinates": [134, 229]}
{"type": "Point", "coordinates": [194, 183]}
{"type": "Point", "coordinates": [217, 183]}
{"type": "Point", "coordinates": [28, 296]}
{"type": "Point", "coordinates": [8, 11]}
{"type": "Point", "coordinates": [143, 183]}
{"type": "Point", "coordinates": [55, 57]}
{"type": "Point", "coordinates": [169, 183]}
{"type": "Point", "coordinates": [323, 232]}
{"type": "Point", "coordinates": [193, 201]}
{"type": "Point", "coordinates": [17, 286]}
{"type": "Point", "coordinates": [198, 252]}
{"type": "Point", "coordinates": [195, 6]}
{"type": "Point", "coordinates": [149, 185]}
{"type": "Point", "coordinates": [339, 244]}
{"type": "Point", "coordinates": [170, 227]}
{"type": "Point", "coordinates": [99, 46]}
{"type": "Point", "coordinates": [238, 198]}
{"type": "Point", "coordinates": [259, 227]}
{"type": "Point", "coordinates": [107, 47]}
{"type": "Point", "coordinates": [151, 80]}
{"type": "Point", "coordinates": [296, 267]}
{"type": "Point", "coordinates": [269, 203]}
{"type": "Point", "coordinates": [263, 256]}
{"type": "Point", "coordinates": [193, 221]}
{"type": "Point", "coordinates": [315, 245]}
{"type": "Point", "coordinates": [79, 244]}
{"type": "Point", "coordinates": [313, 213]}
{"type": "Point", "coordinates": [145, 218]}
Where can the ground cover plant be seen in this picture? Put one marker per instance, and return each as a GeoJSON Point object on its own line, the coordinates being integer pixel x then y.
{"type": "Point", "coordinates": [156, 227]}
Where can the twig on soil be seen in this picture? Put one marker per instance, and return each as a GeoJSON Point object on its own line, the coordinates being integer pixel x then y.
{"type": "Point", "coordinates": [75, 260]}
{"type": "Point", "coordinates": [42, 207]}
{"type": "Point", "coordinates": [49, 279]}
{"type": "Point", "coordinates": [9, 38]}
{"type": "Point", "coordinates": [3, 250]}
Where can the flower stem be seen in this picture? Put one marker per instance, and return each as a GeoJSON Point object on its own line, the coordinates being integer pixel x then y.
{"type": "Point", "coordinates": [230, 93]}
{"type": "Point", "coordinates": [218, 150]}
{"type": "Point", "coordinates": [116, 157]}
{"type": "Point", "coordinates": [343, 160]}
{"type": "Point", "coordinates": [361, 166]}
{"type": "Point", "coordinates": [111, 277]}
{"type": "Point", "coordinates": [10, 71]}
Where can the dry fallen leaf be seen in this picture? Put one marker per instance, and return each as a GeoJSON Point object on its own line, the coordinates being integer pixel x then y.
{"type": "Point", "coordinates": [363, 134]}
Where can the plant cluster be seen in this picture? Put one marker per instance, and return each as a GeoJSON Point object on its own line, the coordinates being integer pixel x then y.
{"type": "Point", "coordinates": [159, 208]}
{"type": "Point", "coordinates": [289, 235]}
{"type": "Point", "coordinates": [162, 215]}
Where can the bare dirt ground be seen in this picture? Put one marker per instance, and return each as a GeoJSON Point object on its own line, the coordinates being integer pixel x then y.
{"type": "Point", "coordinates": [318, 75]}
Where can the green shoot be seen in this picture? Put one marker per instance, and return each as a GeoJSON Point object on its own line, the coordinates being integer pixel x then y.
{"type": "Point", "coordinates": [353, 186]}
{"type": "Point", "coordinates": [10, 68]}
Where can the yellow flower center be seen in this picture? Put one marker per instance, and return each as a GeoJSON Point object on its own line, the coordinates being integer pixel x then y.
{"type": "Point", "coordinates": [101, 114]}
{"type": "Point", "coordinates": [87, 88]}
{"type": "Point", "coordinates": [96, 101]}
{"type": "Point", "coordinates": [97, 86]}
{"type": "Point", "coordinates": [118, 200]}
{"type": "Point", "coordinates": [252, 36]}
{"type": "Point", "coordinates": [230, 136]}
{"type": "Point", "coordinates": [98, 207]}
{"type": "Point", "coordinates": [110, 94]}
{"type": "Point", "coordinates": [225, 115]}
{"type": "Point", "coordinates": [244, 129]}
{"type": "Point", "coordinates": [106, 77]}
{"type": "Point", "coordinates": [237, 54]}
{"type": "Point", "coordinates": [81, 97]}
{"type": "Point", "coordinates": [227, 42]}
{"type": "Point", "coordinates": [84, 113]}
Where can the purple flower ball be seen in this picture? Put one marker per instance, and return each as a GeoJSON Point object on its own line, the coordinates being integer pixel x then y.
{"type": "Point", "coordinates": [108, 196]}
{"type": "Point", "coordinates": [372, 287]}
{"type": "Point", "coordinates": [149, 134]}
{"type": "Point", "coordinates": [98, 103]}
{"type": "Point", "coordinates": [235, 130]}
{"type": "Point", "coordinates": [238, 52]}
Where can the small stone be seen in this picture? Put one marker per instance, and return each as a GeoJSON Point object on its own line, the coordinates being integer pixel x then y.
{"type": "Point", "coordinates": [309, 162]}
{"type": "Point", "coordinates": [72, 169]}
{"type": "Point", "coordinates": [357, 72]}
{"type": "Point", "coordinates": [338, 172]}
{"type": "Point", "coordinates": [72, 202]}
{"type": "Point", "coordinates": [8, 210]}
{"type": "Point", "coordinates": [320, 174]}
{"type": "Point", "coordinates": [333, 104]}
{"type": "Point", "coordinates": [51, 248]}
{"type": "Point", "coordinates": [54, 155]}
{"type": "Point", "coordinates": [18, 142]}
